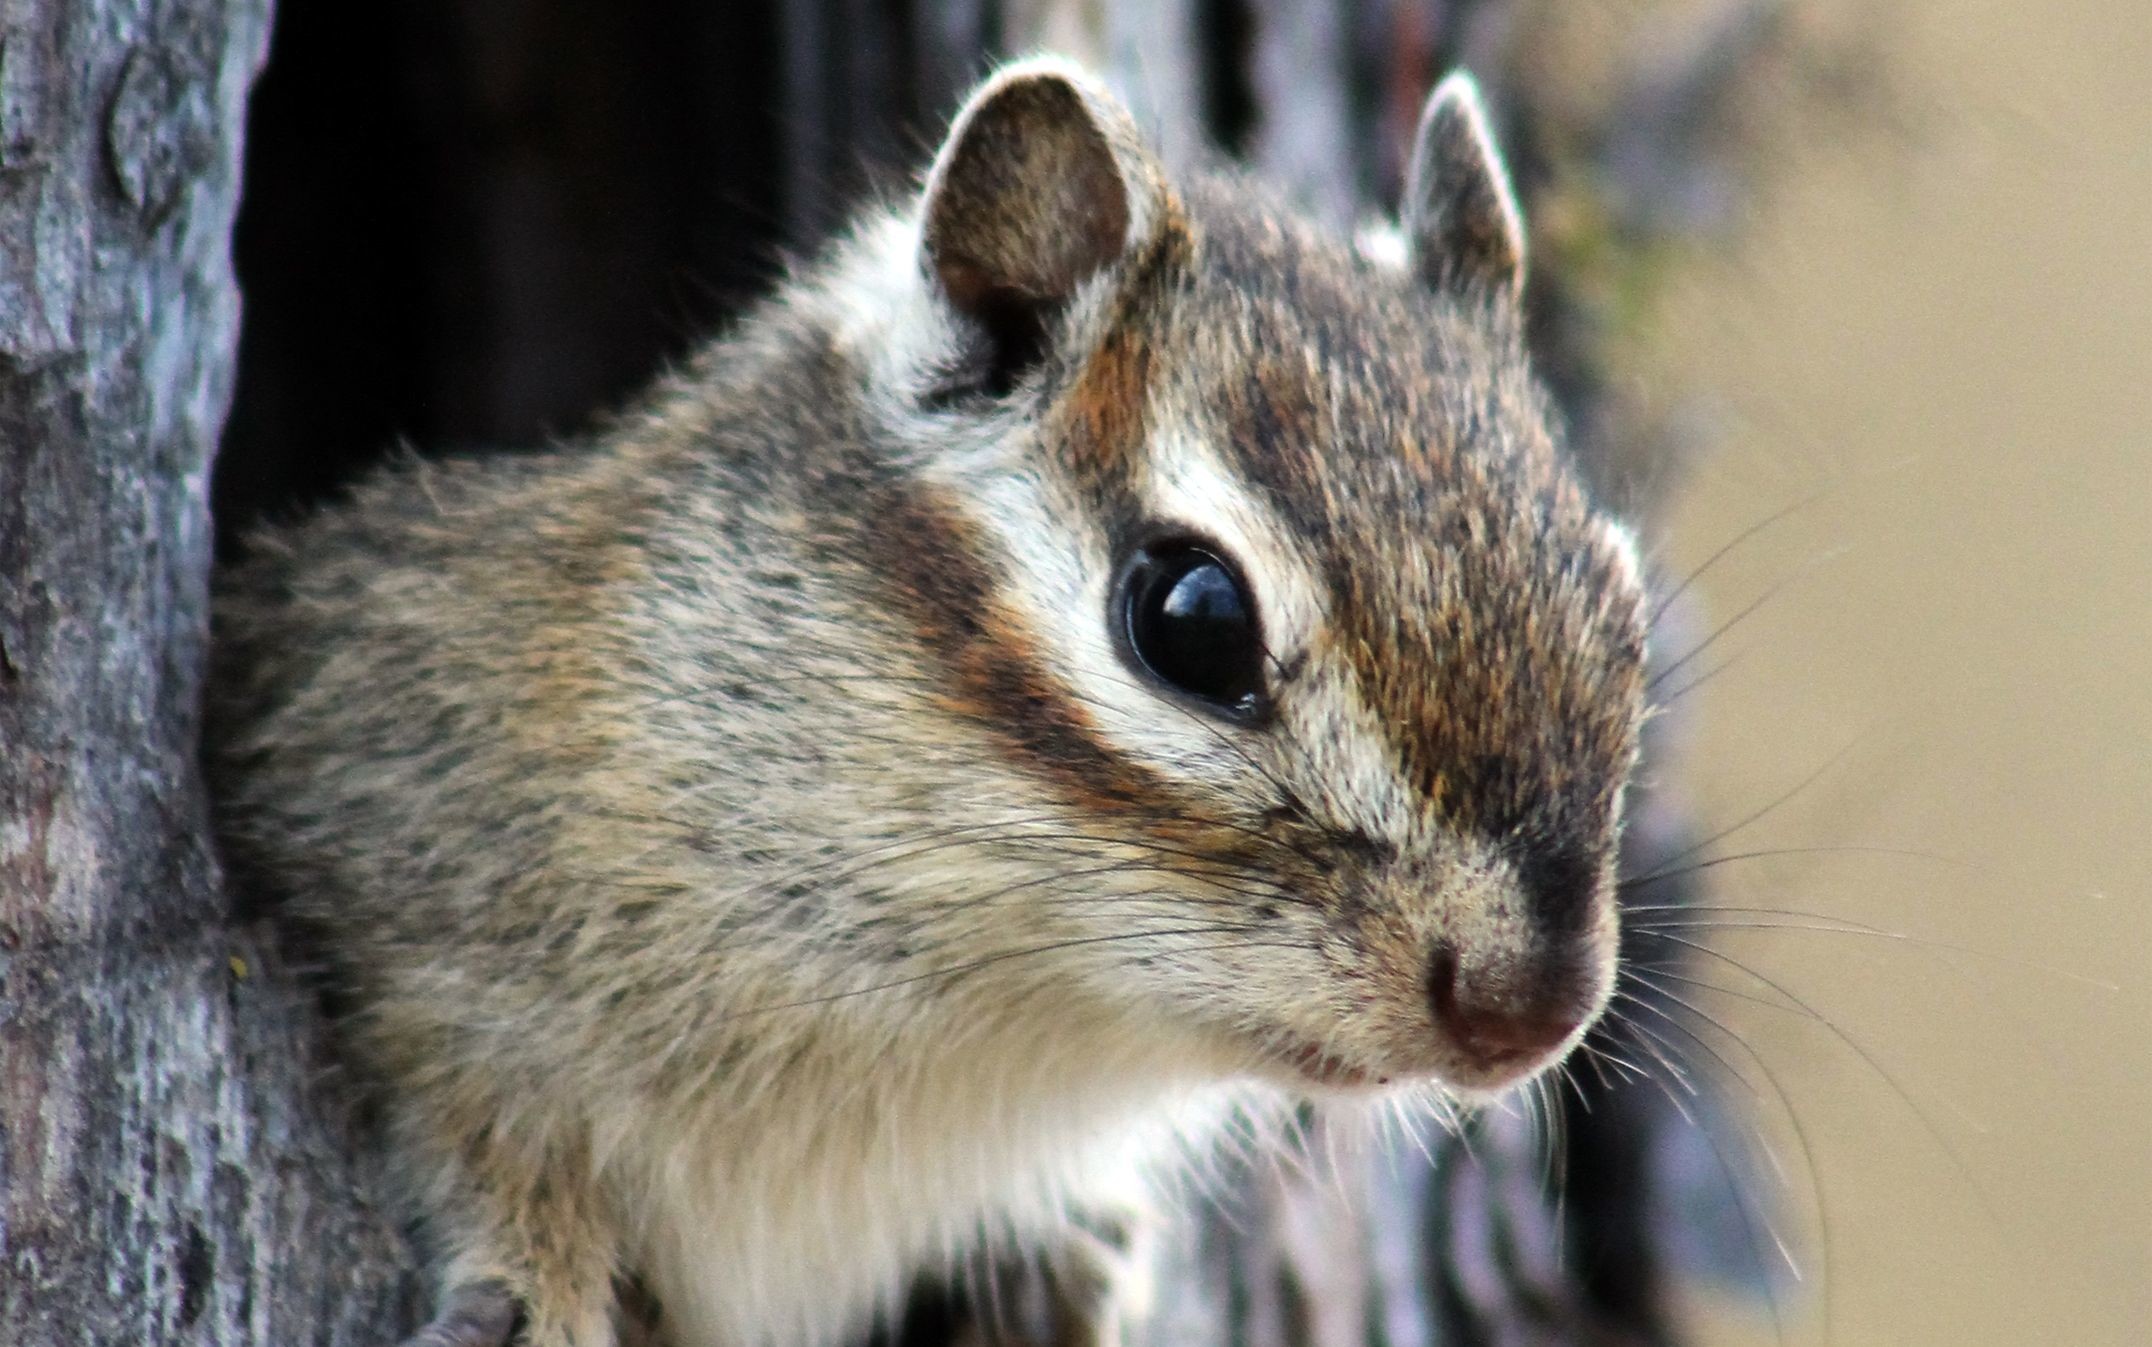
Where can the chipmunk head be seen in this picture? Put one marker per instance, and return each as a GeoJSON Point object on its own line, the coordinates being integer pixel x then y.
{"type": "Point", "coordinates": [1259, 557]}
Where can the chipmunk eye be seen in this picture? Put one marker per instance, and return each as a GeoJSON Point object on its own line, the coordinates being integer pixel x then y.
{"type": "Point", "coordinates": [1189, 621]}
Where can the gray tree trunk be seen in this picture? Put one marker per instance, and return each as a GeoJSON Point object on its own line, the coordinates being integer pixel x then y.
{"type": "Point", "coordinates": [167, 1172]}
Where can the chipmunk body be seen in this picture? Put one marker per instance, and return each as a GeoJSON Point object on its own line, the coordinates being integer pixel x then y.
{"type": "Point", "coordinates": [1091, 649]}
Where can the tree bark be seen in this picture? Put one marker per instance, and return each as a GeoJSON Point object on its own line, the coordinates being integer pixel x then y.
{"type": "Point", "coordinates": [167, 1172]}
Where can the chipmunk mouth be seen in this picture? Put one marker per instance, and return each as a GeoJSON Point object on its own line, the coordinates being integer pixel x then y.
{"type": "Point", "coordinates": [1309, 1063]}
{"type": "Point", "coordinates": [1331, 1071]}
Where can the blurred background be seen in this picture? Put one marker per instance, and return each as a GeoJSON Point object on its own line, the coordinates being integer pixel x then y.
{"type": "Point", "coordinates": [1887, 264]}
{"type": "Point", "coordinates": [1944, 324]}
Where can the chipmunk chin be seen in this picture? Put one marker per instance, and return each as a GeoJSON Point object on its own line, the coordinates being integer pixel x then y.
{"type": "Point", "coordinates": [1310, 1065]}
{"type": "Point", "coordinates": [1305, 1064]}
{"type": "Point", "coordinates": [1482, 1078]}
{"type": "Point", "coordinates": [1315, 1066]}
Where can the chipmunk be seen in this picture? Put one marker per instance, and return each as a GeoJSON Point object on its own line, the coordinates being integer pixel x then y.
{"type": "Point", "coordinates": [1090, 653]}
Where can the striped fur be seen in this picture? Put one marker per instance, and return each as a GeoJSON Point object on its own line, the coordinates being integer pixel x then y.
{"type": "Point", "coordinates": [746, 861]}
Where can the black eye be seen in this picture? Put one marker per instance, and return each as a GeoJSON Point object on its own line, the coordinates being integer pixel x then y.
{"type": "Point", "coordinates": [1189, 621]}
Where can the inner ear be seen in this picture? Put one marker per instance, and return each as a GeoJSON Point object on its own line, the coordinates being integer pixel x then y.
{"type": "Point", "coordinates": [1029, 198]}
{"type": "Point", "coordinates": [1012, 341]}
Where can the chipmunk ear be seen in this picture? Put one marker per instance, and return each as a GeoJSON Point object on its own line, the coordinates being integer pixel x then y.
{"type": "Point", "coordinates": [1462, 225]}
{"type": "Point", "coordinates": [1041, 185]}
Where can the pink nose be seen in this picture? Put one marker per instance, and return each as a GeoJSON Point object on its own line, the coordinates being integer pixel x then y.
{"type": "Point", "coordinates": [1494, 1022]}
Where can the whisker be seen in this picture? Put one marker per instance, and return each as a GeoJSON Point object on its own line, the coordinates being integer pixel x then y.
{"type": "Point", "coordinates": [958, 970]}
{"type": "Point", "coordinates": [1743, 1207]}
{"type": "Point", "coordinates": [1667, 601]}
{"type": "Point", "coordinates": [1778, 1095]}
{"type": "Point", "coordinates": [1220, 735]}
{"type": "Point", "coordinates": [1678, 1081]}
{"type": "Point", "coordinates": [1661, 974]}
{"type": "Point", "coordinates": [1829, 923]}
{"type": "Point", "coordinates": [1765, 853]}
{"type": "Point", "coordinates": [1666, 702]}
{"type": "Point", "coordinates": [995, 834]}
{"type": "Point", "coordinates": [1601, 1058]}
{"type": "Point", "coordinates": [1757, 815]}
{"type": "Point", "coordinates": [1217, 732]}
{"type": "Point", "coordinates": [1905, 1096]}
{"type": "Point", "coordinates": [1554, 1161]}
{"type": "Point", "coordinates": [1779, 587]}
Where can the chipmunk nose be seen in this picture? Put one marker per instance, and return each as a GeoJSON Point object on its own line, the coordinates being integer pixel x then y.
{"type": "Point", "coordinates": [1506, 1017]}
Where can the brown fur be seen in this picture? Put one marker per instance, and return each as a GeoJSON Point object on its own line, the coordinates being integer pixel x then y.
{"type": "Point", "coordinates": [746, 861]}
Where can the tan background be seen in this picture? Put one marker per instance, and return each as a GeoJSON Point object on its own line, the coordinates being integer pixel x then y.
{"type": "Point", "coordinates": [1949, 326]}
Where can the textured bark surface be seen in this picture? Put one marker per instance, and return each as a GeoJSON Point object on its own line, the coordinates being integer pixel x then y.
{"type": "Point", "coordinates": [165, 1173]}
